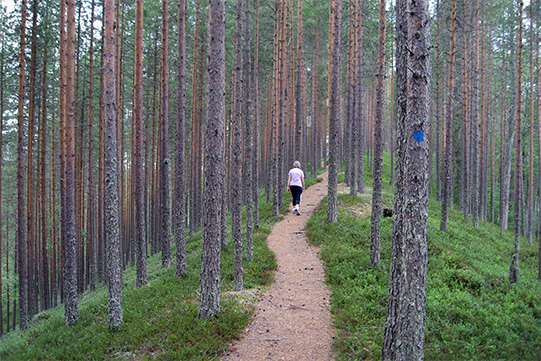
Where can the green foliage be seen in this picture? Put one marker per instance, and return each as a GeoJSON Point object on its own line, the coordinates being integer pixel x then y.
{"type": "Point", "coordinates": [473, 312]}
{"type": "Point", "coordinates": [160, 319]}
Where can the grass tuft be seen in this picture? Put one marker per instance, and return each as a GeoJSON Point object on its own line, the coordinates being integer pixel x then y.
{"type": "Point", "coordinates": [160, 319]}
{"type": "Point", "coordinates": [473, 312]}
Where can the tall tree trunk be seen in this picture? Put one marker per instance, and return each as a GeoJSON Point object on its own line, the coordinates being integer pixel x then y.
{"type": "Point", "coordinates": [375, 243]}
{"type": "Point", "coordinates": [514, 268]}
{"type": "Point", "coordinates": [531, 206]}
{"type": "Point", "coordinates": [91, 216]}
{"type": "Point", "coordinates": [474, 190]}
{"type": "Point", "coordinates": [437, 134]}
{"type": "Point", "coordinates": [179, 201]}
{"type": "Point", "coordinates": [2, 157]}
{"type": "Point", "coordinates": [299, 91]}
{"type": "Point", "coordinates": [209, 301]}
{"type": "Point", "coordinates": [194, 123]}
{"type": "Point", "coordinates": [70, 247]}
{"type": "Point", "coordinates": [483, 159]}
{"type": "Point", "coordinates": [102, 268]}
{"type": "Point", "coordinates": [405, 325]}
{"type": "Point", "coordinates": [44, 290]}
{"type": "Point", "coordinates": [112, 202]}
{"type": "Point", "coordinates": [255, 94]}
{"type": "Point", "coordinates": [236, 161]}
{"type": "Point", "coordinates": [359, 102]}
{"type": "Point", "coordinates": [447, 180]}
{"type": "Point", "coordinates": [334, 125]}
{"type": "Point", "coordinates": [314, 110]}
{"type": "Point", "coordinates": [30, 190]}
{"type": "Point", "coordinates": [538, 83]}
{"type": "Point", "coordinates": [164, 150]}
{"type": "Point", "coordinates": [140, 224]}
{"type": "Point", "coordinates": [248, 118]}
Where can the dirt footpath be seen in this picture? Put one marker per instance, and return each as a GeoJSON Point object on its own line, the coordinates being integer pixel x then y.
{"type": "Point", "coordinates": [292, 319]}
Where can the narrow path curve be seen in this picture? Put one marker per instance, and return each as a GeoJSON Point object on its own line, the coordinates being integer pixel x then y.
{"type": "Point", "coordinates": [292, 320]}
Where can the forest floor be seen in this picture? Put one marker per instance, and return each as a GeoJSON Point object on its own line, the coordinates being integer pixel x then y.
{"type": "Point", "coordinates": [292, 320]}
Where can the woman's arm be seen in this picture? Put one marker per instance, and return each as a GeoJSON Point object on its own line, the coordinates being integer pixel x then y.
{"type": "Point", "coordinates": [288, 182]}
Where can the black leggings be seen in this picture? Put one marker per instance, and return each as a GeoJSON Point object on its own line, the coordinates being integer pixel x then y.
{"type": "Point", "coordinates": [296, 192]}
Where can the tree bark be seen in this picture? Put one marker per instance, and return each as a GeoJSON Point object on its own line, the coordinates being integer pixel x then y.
{"type": "Point", "coordinates": [44, 289]}
{"type": "Point", "coordinates": [359, 103]}
{"type": "Point", "coordinates": [256, 137]}
{"type": "Point", "coordinates": [447, 180]}
{"type": "Point", "coordinates": [531, 206]}
{"type": "Point", "coordinates": [140, 224]}
{"type": "Point", "coordinates": [514, 268]}
{"type": "Point", "coordinates": [405, 325]}
{"type": "Point", "coordinates": [112, 202]}
{"type": "Point", "coordinates": [209, 306]}
{"type": "Point", "coordinates": [164, 150]}
{"type": "Point", "coordinates": [248, 118]}
{"type": "Point", "coordinates": [375, 241]}
{"type": "Point", "coordinates": [236, 161]}
{"type": "Point", "coordinates": [179, 201]}
{"type": "Point", "coordinates": [334, 126]}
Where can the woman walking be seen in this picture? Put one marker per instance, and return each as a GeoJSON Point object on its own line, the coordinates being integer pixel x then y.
{"type": "Point", "coordinates": [295, 184]}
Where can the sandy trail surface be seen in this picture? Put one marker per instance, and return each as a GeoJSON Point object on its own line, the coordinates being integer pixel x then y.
{"type": "Point", "coordinates": [292, 320]}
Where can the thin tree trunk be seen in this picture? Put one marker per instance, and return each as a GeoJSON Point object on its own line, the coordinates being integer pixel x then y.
{"type": "Point", "coordinates": [437, 134]}
{"type": "Point", "coordinates": [531, 206]}
{"type": "Point", "coordinates": [483, 160]}
{"type": "Point", "coordinates": [30, 190]}
{"type": "Point", "coordinates": [475, 143]}
{"type": "Point", "coordinates": [91, 218]}
{"type": "Point", "coordinates": [514, 268]}
{"type": "Point", "coordinates": [140, 224]}
{"type": "Point", "coordinates": [447, 180]}
{"type": "Point", "coordinates": [314, 110]}
{"type": "Point", "coordinates": [1, 157]}
{"type": "Point", "coordinates": [44, 289]}
{"type": "Point", "coordinates": [179, 201]}
{"type": "Point", "coordinates": [70, 247]}
{"type": "Point", "coordinates": [255, 94]}
{"type": "Point", "coordinates": [209, 305]}
{"type": "Point", "coordinates": [360, 115]}
{"type": "Point", "coordinates": [538, 83]}
{"type": "Point", "coordinates": [334, 126]}
{"type": "Point", "coordinates": [299, 88]}
{"type": "Point", "coordinates": [249, 154]}
{"type": "Point", "coordinates": [375, 241]}
{"type": "Point", "coordinates": [236, 164]}
{"type": "Point", "coordinates": [164, 150]}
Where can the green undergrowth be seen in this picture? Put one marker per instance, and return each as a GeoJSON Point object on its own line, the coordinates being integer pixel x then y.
{"type": "Point", "coordinates": [473, 312]}
{"type": "Point", "coordinates": [160, 319]}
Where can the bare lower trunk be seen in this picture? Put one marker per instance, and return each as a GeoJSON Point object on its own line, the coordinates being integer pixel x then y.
{"type": "Point", "coordinates": [405, 325]}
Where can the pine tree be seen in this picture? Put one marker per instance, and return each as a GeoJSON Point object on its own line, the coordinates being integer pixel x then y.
{"type": "Point", "coordinates": [375, 241]}
{"type": "Point", "coordinates": [111, 196]}
{"type": "Point", "coordinates": [164, 145]}
{"type": "Point", "coordinates": [334, 125]}
{"type": "Point", "coordinates": [405, 325]}
{"type": "Point", "coordinates": [70, 245]}
{"type": "Point", "coordinates": [179, 200]}
{"type": "Point", "coordinates": [447, 177]}
{"type": "Point", "coordinates": [140, 224]}
{"type": "Point", "coordinates": [209, 301]}
{"type": "Point", "coordinates": [236, 161]}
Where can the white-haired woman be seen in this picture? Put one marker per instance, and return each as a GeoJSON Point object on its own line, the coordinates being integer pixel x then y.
{"type": "Point", "coordinates": [295, 185]}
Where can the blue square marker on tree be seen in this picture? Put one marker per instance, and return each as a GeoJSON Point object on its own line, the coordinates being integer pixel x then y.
{"type": "Point", "coordinates": [419, 136]}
